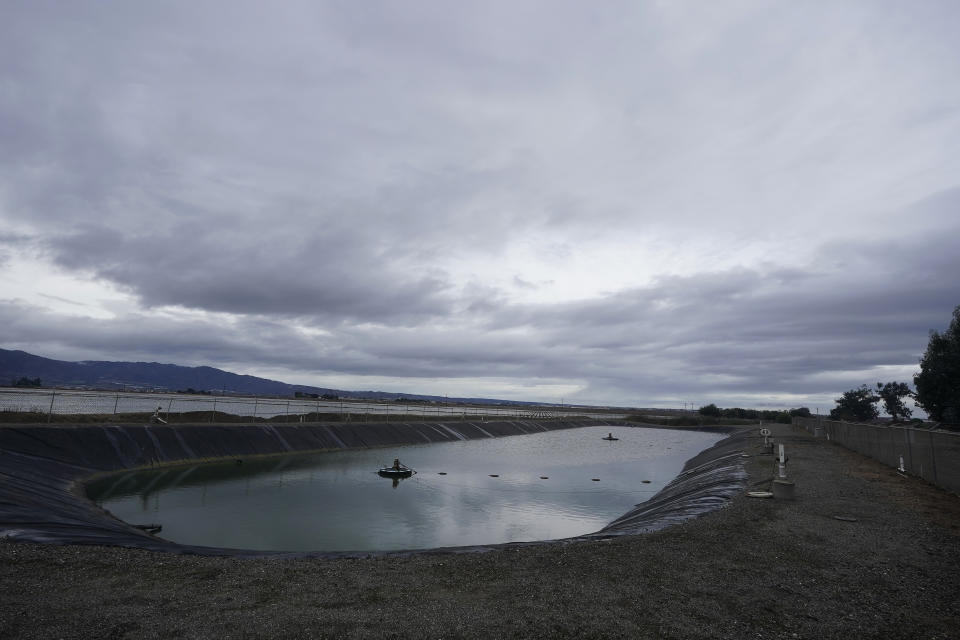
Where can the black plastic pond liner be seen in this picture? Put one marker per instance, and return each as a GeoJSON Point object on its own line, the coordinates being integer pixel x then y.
{"type": "Point", "coordinates": [708, 481]}
{"type": "Point", "coordinates": [42, 469]}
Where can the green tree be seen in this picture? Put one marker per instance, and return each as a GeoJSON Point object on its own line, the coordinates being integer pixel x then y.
{"type": "Point", "coordinates": [857, 404]}
{"type": "Point", "coordinates": [892, 394]}
{"type": "Point", "coordinates": [710, 410]}
{"type": "Point", "coordinates": [938, 383]}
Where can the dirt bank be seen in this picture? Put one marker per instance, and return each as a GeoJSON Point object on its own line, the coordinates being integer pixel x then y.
{"type": "Point", "coordinates": [757, 568]}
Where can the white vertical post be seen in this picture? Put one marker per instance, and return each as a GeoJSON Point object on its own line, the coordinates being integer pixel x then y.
{"type": "Point", "coordinates": [781, 467]}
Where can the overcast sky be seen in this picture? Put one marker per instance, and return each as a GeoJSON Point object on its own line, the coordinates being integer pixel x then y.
{"type": "Point", "coordinates": [630, 203]}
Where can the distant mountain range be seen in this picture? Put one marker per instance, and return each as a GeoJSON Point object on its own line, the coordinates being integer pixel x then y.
{"type": "Point", "coordinates": [153, 376]}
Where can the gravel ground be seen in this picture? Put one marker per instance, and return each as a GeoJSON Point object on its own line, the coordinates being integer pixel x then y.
{"type": "Point", "coordinates": [759, 568]}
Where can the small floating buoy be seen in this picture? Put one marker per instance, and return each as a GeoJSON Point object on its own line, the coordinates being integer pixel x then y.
{"type": "Point", "coordinates": [646, 482]}
{"type": "Point", "coordinates": [441, 473]}
{"type": "Point", "coordinates": [544, 477]}
{"type": "Point", "coordinates": [595, 479]}
{"type": "Point", "coordinates": [494, 475]}
{"type": "Point", "coordinates": [845, 518]}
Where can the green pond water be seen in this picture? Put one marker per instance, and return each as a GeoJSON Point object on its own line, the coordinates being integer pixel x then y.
{"type": "Point", "coordinates": [550, 485]}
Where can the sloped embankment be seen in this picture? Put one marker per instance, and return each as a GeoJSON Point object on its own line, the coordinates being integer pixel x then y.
{"type": "Point", "coordinates": [708, 481]}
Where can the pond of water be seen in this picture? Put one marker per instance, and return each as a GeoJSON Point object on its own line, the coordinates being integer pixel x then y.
{"type": "Point", "coordinates": [543, 486]}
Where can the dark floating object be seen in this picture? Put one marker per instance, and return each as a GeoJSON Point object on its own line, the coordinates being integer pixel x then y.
{"type": "Point", "coordinates": [544, 477]}
{"type": "Point", "coordinates": [389, 472]}
{"type": "Point", "coordinates": [441, 473]}
{"type": "Point", "coordinates": [646, 482]}
{"type": "Point", "coordinates": [398, 470]}
{"type": "Point", "coordinates": [494, 475]}
{"type": "Point", "coordinates": [595, 479]}
{"type": "Point", "coordinates": [609, 436]}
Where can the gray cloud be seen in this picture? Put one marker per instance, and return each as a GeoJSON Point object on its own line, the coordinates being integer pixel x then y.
{"type": "Point", "coordinates": [714, 335]}
{"type": "Point", "coordinates": [333, 275]}
{"type": "Point", "coordinates": [414, 192]}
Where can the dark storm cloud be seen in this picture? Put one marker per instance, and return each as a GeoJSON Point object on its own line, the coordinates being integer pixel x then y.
{"type": "Point", "coordinates": [331, 275]}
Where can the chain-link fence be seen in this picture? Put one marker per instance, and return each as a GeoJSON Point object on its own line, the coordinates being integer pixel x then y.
{"type": "Point", "coordinates": [931, 455]}
{"type": "Point", "coordinates": [46, 405]}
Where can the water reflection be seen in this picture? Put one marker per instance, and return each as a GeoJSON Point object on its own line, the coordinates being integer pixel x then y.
{"type": "Point", "coordinates": [511, 489]}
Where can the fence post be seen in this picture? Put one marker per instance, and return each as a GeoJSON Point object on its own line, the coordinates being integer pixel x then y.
{"type": "Point", "coordinates": [169, 404]}
{"type": "Point", "coordinates": [933, 457]}
{"type": "Point", "coordinates": [908, 436]}
{"type": "Point", "coordinates": [213, 413]}
{"type": "Point", "coordinates": [255, 402]}
{"type": "Point", "coordinates": [50, 410]}
{"type": "Point", "coordinates": [115, 403]}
